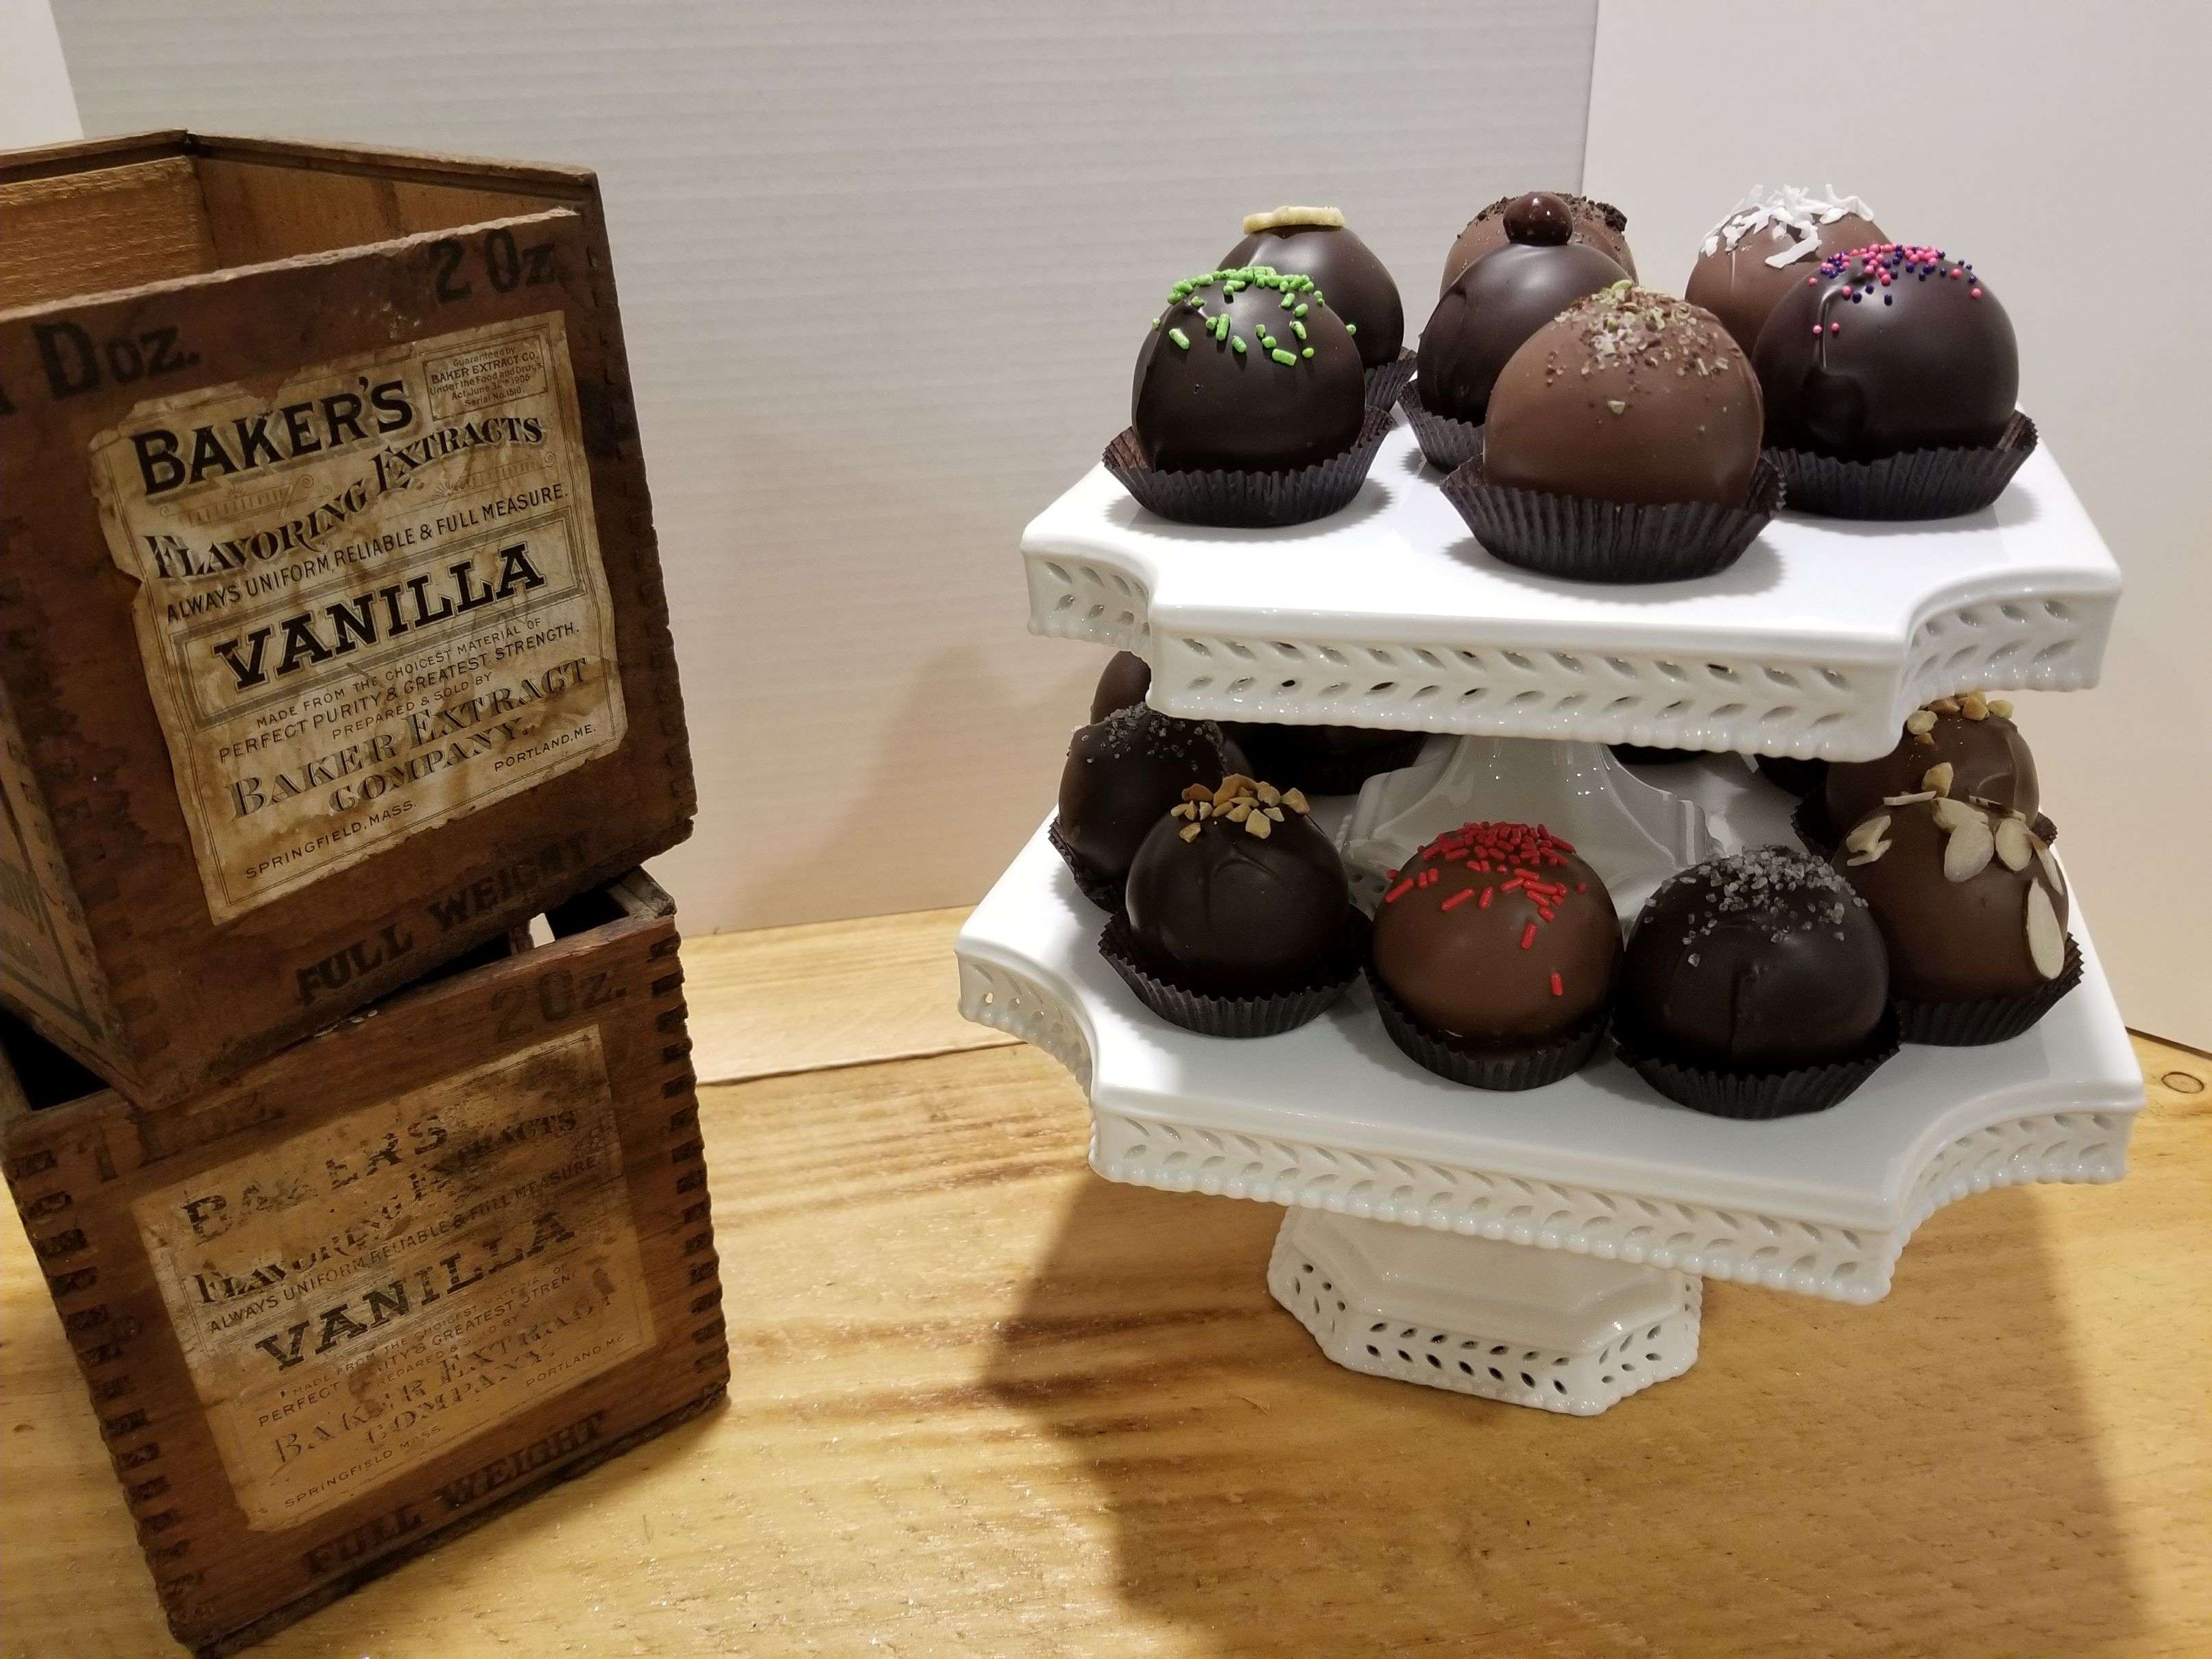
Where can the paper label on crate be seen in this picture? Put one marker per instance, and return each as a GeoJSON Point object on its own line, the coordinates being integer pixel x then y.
{"type": "Point", "coordinates": [369, 597]}
{"type": "Point", "coordinates": [355, 1301]}
{"type": "Point", "coordinates": [43, 962]}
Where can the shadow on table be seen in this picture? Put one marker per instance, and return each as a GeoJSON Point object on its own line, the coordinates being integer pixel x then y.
{"type": "Point", "coordinates": [1914, 1477]}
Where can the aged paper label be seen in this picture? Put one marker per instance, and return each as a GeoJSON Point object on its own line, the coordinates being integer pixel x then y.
{"type": "Point", "coordinates": [44, 961]}
{"type": "Point", "coordinates": [359, 1298]}
{"type": "Point", "coordinates": [370, 600]}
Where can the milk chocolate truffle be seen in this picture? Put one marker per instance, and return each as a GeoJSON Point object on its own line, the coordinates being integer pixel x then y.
{"type": "Point", "coordinates": [1325, 760]}
{"type": "Point", "coordinates": [1967, 896]}
{"type": "Point", "coordinates": [1769, 241]}
{"type": "Point", "coordinates": [1499, 302]}
{"type": "Point", "coordinates": [1763, 960]}
{"type": "Point", "coordinates": [1593, 223]}
{"type": "Point", "coordinates": [1885, 349]}
{"type": "Point", "coordinates": [1236, 893]}
{"type": "Point", "coordinates": [1498, 934]}
{"type": "Point", "coordinates": [1314, 242]}
{"type": "Point", "coordinates": [1966, 746]}
{"type": "Point", "coordinates": [1122, 775]}
{"type": "Point", "coordinates": [1628, 395]}
{"type": "Point", "coordinates": [1122, 684]}
{"type": "Point", "coordinates": [1247, 370]}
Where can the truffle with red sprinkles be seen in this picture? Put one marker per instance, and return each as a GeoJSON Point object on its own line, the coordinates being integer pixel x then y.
{"type": "Point", "coordinates": [1498, 934]}
{"type": "Point", "coordinates": [1888, 348]}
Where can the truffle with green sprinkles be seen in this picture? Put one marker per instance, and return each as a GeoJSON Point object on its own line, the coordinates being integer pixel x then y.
{"type": "Point", "coordinates": [1222, 382]}
{"type": "Point", "coordinates": [1316, 242]}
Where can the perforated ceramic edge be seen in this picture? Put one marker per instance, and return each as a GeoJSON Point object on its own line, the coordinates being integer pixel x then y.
{"type": "Point", "coordinates": [2052, 642]}
{"type": "Point", "coordinates": [995, 995]}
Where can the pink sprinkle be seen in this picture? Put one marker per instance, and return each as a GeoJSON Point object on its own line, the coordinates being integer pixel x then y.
{"type": "Point", "coordinates": [1816, 328]}
{"type": "Point", "coordinates": [1833, 328]}
{"type": "Point", "coordinates": [1973, 293]}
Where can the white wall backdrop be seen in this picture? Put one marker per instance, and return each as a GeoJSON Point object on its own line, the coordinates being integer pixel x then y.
{"type": "Point", "coordinates": [35, 104]}
{"type": "Point", "coordinates": [884, 270]}
{"type": "Point", "coordinates": [2057, 146]}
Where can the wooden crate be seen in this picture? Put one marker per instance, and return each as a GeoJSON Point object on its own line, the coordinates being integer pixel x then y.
{"type": "Point", "coordinates": [392, 1278]}
{"type": "Point", "coordinates": [332, 637]}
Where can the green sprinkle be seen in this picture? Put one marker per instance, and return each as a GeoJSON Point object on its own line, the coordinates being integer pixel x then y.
{"type": "Point", "coordinates": [1297, 328]}
{"type": "Point", "coordinates": [1221, 326]}
{"type": "Point", "coordinates": [1285, 358]}
{"type": "Point", "coordinates": [1237, 343]}
{"type": "Point", "coordinates": [1181, 338]}
{"type": "Point", "coordinates": [1156, 322]}
{"type": "Point", "coordinates": [1308, 352]}
{"type": "Point", "coordinates": [1300, 312]}
{"type": "Point", "coordinates": [1352, 328]}
{"type": "Point", "coordinates": [1286, 302]}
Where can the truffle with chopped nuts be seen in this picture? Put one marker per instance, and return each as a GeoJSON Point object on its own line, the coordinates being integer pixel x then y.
{"type": "Point", "coordinates": [1122, 775]}
{"type": "Point", "coordinates": [1968, 898]}
{"type": "Point", "coordinates": [1236, 893]}
{"type": "Point", "coordinates": [1763, 960]}
{"type": "Point", "coordinates": [1122, 684]}
{"type": "Point", "coordinates": [1768, 244]}
{"type": "Point", "coordinates": [1315, 242]}
{"type": "Point", "coordinates": [1247, 370]}
{"type": "Point", "coordinates": [1628, 396]}
{"type": "Point", "coordinates": [1966, 746]}
{"type": "Point", "coordinates": [1592, 224]}
{"type": "Point", "coordinates": [1498, 934]}
{"type": "Point", "coordinates": [1888, 348]}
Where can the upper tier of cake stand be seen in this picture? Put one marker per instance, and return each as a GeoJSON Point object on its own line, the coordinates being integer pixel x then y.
{"type": "Point", "coordinates": [1819, 641]}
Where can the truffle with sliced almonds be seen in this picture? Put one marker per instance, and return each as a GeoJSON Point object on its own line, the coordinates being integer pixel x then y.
{"type": "Point", "coordinates": [1972, 735]}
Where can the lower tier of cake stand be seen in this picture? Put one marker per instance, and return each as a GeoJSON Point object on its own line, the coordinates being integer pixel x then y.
{"type": "Point", "coordinates": [1560, 1331]}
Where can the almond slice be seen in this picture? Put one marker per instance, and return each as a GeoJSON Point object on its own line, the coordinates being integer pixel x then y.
{"type": "Point", "coordinates": [2046, 934]}
{"type": "Point", "coordinates": [1968, 851]}
{"type": "Point", "coordinates": [1951, 814]}
{"type": "Point", "coordinates": [2013, 845]}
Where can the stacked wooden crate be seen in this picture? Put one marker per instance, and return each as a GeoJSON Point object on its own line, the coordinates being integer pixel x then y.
{"type": "Point", "coordinates": [333, 651]}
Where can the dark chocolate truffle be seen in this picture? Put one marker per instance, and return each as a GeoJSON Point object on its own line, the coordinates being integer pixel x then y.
{"type": "Point", "coordinates": [1628, 395]}
{"type": "Point", "coordinates": [1885, 349]}
{"type": "Point", "coordinates": [1594, 224]}
{"type": "Point", "coordinates": [1122, 684]}
{"type": "Point", "coordinates": [1236, 893]}
{"type": "Point", "coordinates": [1247, 370]}
{"type": "Point", "coordinates": [1968, 898]}
{"type": "Point", "coordinates": [1966, 746]}
{"type": "Point", "coordinates": [1498, 933]}
{"type": "Point", "coordinates": [1314, 242]}
{"type": "Point", "coordinates": [1325, 760]}
{"type": "Point", "coordinates": [1499, 301]}
{"type": "Point", "coordinates": [1765, 959]}
{"type": "Point", "coordinates": [1125, 772]}
{"type": "Point", "coordinates": [1767, 246]}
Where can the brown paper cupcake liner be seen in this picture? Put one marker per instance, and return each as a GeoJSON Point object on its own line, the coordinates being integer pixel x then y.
{"type": "Point", "coordinates": [1742, 1092]}
{"type": "Point", "coordinates": [1248, 501]}
{"type": "Point", "coordinates": [1479, 1066]}
{"type": "Point", "coordinates": [1582, 538]}
{"type": "Point", "coordinates": [1449, 442]}
{"type": "Point", "coordinates": [1801, 778]}
{"type": "Point", "coordinates": [1810, 820]}
{"type": "Point", "coordinates": [1236, 1017]}
{"type": "Point", "coordinates": [1386, 381]}
{"type": "Point", "coordinates": [1102, 889]}
{"type": "Point", "coordinates": [1986, 1019]}
{"type": "Point", "coordinates": [1918, 484]}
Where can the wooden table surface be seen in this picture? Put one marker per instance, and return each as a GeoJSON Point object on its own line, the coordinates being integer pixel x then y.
{"type": "Point", "coordinates": [986, 1403]}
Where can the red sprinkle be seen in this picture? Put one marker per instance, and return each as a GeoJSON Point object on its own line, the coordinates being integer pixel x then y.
{"type": "Point", "coordinates": [1398, 892]}
{"type": "Point", "coordinates": [1484, 903]}
{"type": "Point", "coordinates": [1558, 990]}
{"type": "Point", "coordinates": [1528, 936]}
{"type": "Point", "coordinates": [1458, 898]}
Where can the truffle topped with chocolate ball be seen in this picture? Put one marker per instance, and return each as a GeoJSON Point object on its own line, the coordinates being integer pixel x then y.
{"type": "Point", "coordinates": [1499, 302]}
{"type": "Point", "coordinates": [1768, 244]}
{"type": "Point", "coordinates": [1122, 775]}
{"type": "Point", "coordinates": [1247, 370]}
{"type": "Point", "coordinates": [1966, 746]}
{"type": "Point", "coordinates": [1315, 242]}
{"type": "Point", "coordinates": [1236, 892]}
{"type": "Point", "coordinates": [1628, 395]}
{"type": "Point", "coordinates": [1968, 898]}
{"type": "Point", "coordinates": [1592, 224]}
{"type": "Point", "coordinates": [1887, 348]}
{"type": "Point", "coordinates": [1122, 684]}
{"type": "Point", "coordinates": [1498, 933]}
{"type": "Point", "coordinates": [1764, 959]}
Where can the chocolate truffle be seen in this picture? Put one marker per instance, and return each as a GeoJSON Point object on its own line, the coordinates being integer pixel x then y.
{"type": "Point", "coordinates": [1885, 349]}
{"type": "Point", "coordinates": [1247, 370]}
{"type": "Point", "coordinates": [1628, 395]}
{"type": "Point", "coordinates": [1593, 224]}
{"type": "Point", "coordinates": [1236, 893]}
{"type": "Point", "coordinates": [1325, 760]}
{"type": "Point", "coordinates": [1763, 960]}
{"type": "Point", "coordinates": [1122, 684]}
{"type": "Point", "coordinates": [1966, 746]}
{"type": "Point", "coordinates": [1122, 775]}
{"type": "Point", "coordinates": [1766, 246]}
{"type": "Point", "coordinates": [1968, 898]}
{"type": "Point", "coordinates": [1499, 302]}
{"type": "Point", "coordinates": [1498, 933]}
{"type": "Point", "coordinates": [1314, 242]}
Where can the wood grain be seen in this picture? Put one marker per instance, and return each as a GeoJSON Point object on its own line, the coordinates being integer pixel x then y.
{"type": "Point", "coordinates": [984, 1403]}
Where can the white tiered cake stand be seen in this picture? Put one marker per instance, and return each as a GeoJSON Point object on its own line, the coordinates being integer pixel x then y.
{"type": "Point", "coordinates": [1545, 1248]}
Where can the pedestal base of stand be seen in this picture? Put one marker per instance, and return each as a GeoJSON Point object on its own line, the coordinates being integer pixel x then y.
{"type": "Point", "coordinates": [1532, 1327]}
